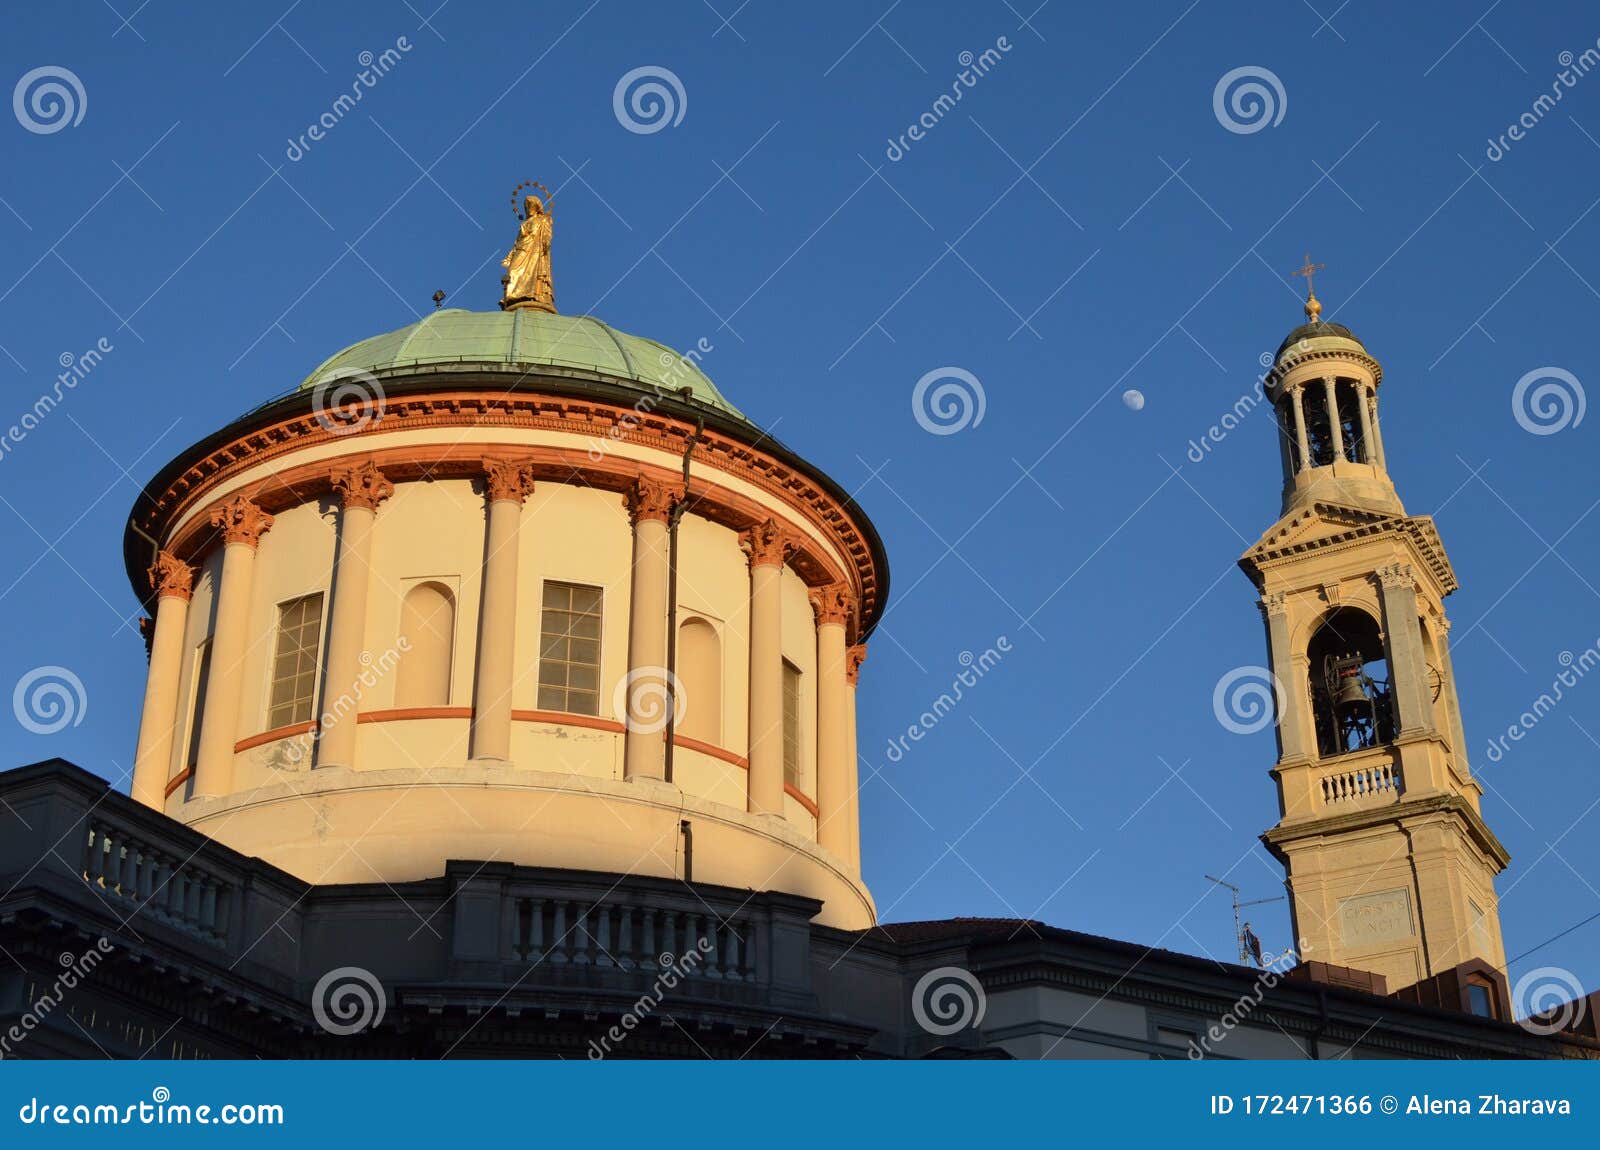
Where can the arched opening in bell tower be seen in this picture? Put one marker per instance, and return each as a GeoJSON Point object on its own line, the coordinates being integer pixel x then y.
{"type": "Point", "coordinates": [1349, 684]}
{"type": "Point", "coordinates": [1349, 403]}
{"type": "Point", "coordinates": [1319, 428]}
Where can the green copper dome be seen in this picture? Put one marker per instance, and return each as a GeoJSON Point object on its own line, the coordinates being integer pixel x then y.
{"type": "Point", "coordinates": [527, 337]}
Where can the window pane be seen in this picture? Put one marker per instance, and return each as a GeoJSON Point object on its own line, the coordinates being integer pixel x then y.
{"type": "Point", "coordinates": [569, 648]}
{"type": "Point", "coordinates": [292, 697]}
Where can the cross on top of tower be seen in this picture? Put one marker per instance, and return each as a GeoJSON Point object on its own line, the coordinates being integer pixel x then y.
{"type": "Point", "coordinates": [1313, 305]}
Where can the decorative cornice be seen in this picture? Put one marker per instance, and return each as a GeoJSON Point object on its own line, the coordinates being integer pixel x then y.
{"type": "Point", "coordinates": [361, 484]}
{"type": "Point", "coordinates": [649, 498]}
{"type": "Point", "coordinates": [508, 480]}
{"type": "Point", "coordinates": [241, 521]}
{"type": "Point", "coordinates": [1278, 545]}
{"type": "Point", "coordinates": [833, 604]}
{"type": "Point", "coordinates": [596, 420]}
{"type": "Point", "coordinates": [171, 577]}
{"type": "Point", "coordinates": [768, 544]}
{"type": "Point", "coordinates": [853, 658]}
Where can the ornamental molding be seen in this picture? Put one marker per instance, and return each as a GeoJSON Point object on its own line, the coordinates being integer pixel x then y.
{"type": "Point", "coordinates": [1274, 603]}
{"type": "Point", "coordinates": [360, 484]}
{"type": "Point", "coordinates": [1396, 575]}
{"type": "Point", "coordinates": [170, 577]}
{"type": "Point", "coordinates": [649, 498]}
{"type": "Point", "coordinates": [833, 604]}
{"type": "Point", "coordinates": [1279, 546]}
{"type": "Point", "coordinates": [768, 544]}
{"type": "Point", "coordinates": [598, 422]}
{"type": "Point", "coordinates": [853, 658]}
{"type": "Point", "coordinates": [508, 480]}
{"type": "Point", "coordinates": [1280, 370]}
{"type": "Point", "coordinates": [241, 521]}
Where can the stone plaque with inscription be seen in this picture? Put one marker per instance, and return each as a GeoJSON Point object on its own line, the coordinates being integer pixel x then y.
{"type": "Point", "coordinates": [1369, 919]}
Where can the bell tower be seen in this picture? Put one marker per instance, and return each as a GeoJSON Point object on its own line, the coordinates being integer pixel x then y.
{"type": "Point", "coordinates": [1390, 865]}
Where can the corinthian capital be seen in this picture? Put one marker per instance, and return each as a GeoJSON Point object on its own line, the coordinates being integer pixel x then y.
{"type": "Point", "coordinates": [1396, 575]}
{"type": "Point", "coordinates": [508, 480]}
{"type": "Point", "coordinates": [768, 544]}
{"type": "Point", "coordinates": [361, 484]}
{"type": "Point", "coordinates": [853, 658]}
{"type": "Point", "coordinates": [833, 604]}
{"type": "Point", "coordinates": [652, 499]}
{"type": "Point", "coordinates": [171, 577]}
{"type": "Point", "coordinates": [241, 521]}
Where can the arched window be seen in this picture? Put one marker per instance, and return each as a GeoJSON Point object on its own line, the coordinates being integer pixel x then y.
{"type": "Point", "coordinates": [700, 681]}
{"type": "Point", "coordinates": [1349, 671]}
{"type": "Point", "coordinates": [428, 627]}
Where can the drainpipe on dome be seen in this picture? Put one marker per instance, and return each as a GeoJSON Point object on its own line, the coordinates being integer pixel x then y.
{"type": "Point", "coordinates": [675, 516]}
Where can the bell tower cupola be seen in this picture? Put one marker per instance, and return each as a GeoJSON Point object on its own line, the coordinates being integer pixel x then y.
{"type": "Point", "coordinates": [1390, 865]}
{"type": "Point", "coordinates": [1323, 386]}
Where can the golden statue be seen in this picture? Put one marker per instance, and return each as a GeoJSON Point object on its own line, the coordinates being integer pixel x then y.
{"type": "Point", "coordinates": [527, 280]}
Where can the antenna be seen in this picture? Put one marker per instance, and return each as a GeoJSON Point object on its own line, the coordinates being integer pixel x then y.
{"type": "Point", "coordinates": [1249, 943]}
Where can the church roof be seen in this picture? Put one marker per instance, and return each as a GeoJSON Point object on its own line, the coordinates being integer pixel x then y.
{"type": "Point", "coordinates": [530, 338]}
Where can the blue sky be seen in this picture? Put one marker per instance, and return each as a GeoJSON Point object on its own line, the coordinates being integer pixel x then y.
{"type": "Point", "coordinates": [1081, 224]}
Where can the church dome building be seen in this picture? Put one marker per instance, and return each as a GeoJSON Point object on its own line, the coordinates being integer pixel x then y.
{"type": "Point", "coordinates": [513, 586]}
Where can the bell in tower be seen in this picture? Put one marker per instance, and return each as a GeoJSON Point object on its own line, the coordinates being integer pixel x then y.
{"type": "Point", "coordinates": [1390, 865]}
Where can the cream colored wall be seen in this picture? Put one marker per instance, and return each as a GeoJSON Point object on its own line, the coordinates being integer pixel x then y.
{"type": "Point", "coordinates": [800, 648]}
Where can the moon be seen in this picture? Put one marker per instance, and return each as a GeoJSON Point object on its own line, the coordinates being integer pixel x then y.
{"type": "Point", "coordinates": [1133, 399]}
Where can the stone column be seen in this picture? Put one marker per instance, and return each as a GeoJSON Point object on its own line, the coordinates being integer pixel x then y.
{"type": "Point", "coordinates": [360, 487]}
{"type": "Point", "coordinates": [768, 546]}
{"type": "Point", "coordinates": [1335, 425]}
{"type": "Point", "coordinates": [173, 582]}
{"type": "Point", "coordinates": [242, 524]}
{"type": "Point", "coordinates": [1300, 437]}
{"type": "Point", "coordinates": [854, 657]}
{"type": "Point", "coordinates": [1293, 698]}
{"type": "Point", "coordinates": [1371, 403]}
{"type": "Point", "coordinates": [1407, 667]}
{"type": "Point", "coordinates": [1458, 735]}
{"type": "Point", "coordinates": [834, 607]}
{"type": "Point", "coordinates": [507, 483]}
{"type": "Point", "coordinates": [1368, 448]}
{"type": "Point", "coordinates": [646, 695]}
